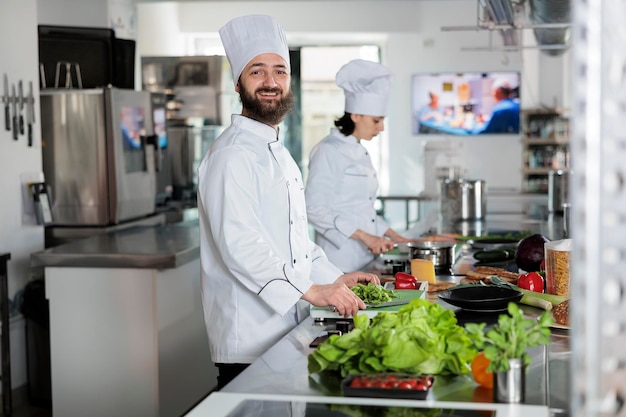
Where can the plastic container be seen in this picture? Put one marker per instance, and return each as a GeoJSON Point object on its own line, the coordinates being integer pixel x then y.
{"type": "Point", "coordinates": [401, 386]}
{"type": "Point", "coordinates": [557, 256]}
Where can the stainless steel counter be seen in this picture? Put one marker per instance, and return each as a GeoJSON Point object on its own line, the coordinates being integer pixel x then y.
{"type": "Point", "coordinates": [154, 247]}
{"type": "Point", "coordinates": [282, 370]}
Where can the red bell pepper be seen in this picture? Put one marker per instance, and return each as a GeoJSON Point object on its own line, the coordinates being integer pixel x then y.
{"type": "Point", "coordinates": [405, 281]}
{"type": "Point", "coordinates": [531, 281]}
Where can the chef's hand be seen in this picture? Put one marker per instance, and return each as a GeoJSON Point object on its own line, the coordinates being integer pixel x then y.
{"type": "Point", "coordinates": [353, 278]}
{"type": "Point", "coordinates": [376, 244]}
{"type": "Point", "coordinates": [339, 295]}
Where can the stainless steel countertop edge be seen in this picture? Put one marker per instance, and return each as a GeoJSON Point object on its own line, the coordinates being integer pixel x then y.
{"type": "Point", "coordinates": [157, 247]}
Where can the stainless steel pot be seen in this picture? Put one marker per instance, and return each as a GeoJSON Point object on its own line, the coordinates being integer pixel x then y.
{"type": "Point", "coordinates": [462, 199]}
{"type": "Point", "coordinates": [441, 254]}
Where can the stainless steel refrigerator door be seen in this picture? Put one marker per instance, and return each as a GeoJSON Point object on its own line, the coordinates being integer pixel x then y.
{"type": "Point", "coordinates": [74, 156]}
{"type": "Point", "coordinates": [132, 181]}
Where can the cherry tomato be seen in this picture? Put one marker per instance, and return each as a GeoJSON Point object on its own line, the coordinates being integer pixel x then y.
{"type": "Point", "coordinates": [479, 370]}
{"type": "Point", "coordinates": [405, 385]}
{"type": "Point", "coordinates": [356, 382]}
{"type": "Point", "coordinates": [368, 384]}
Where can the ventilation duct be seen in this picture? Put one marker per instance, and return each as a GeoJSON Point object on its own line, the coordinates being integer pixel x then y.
{"type": "Point", "coordinates": [549, 19]}
{"type": "Point", "coordinates": [547, 12]}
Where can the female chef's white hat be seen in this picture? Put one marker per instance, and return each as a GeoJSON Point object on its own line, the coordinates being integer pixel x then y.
{"type": "Point", "coordinates": [366, 85]}
{"type": "Point", "coordinates": [245, 37]}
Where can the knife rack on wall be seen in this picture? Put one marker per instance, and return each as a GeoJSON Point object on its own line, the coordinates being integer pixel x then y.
{"type": "Point", "coordinates": [15, 103]}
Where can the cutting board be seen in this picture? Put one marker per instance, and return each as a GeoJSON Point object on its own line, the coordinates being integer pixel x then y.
{"type": "Point", "coordinates": [325, 313]}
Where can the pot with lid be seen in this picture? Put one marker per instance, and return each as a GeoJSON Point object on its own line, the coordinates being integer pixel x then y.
{"type": "Point", "coordinates": [440, 253]}
{"type": "Point", "coordinates": [462, 199]}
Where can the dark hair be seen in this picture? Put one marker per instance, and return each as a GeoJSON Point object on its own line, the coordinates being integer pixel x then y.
{"type": "Point", "coordinates": [506, 91]}
{"type": "Point", "coordinates": [345, 124]}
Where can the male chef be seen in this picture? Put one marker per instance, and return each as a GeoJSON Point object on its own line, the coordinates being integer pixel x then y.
{"type": "Point", "coordinates": [257, 259]}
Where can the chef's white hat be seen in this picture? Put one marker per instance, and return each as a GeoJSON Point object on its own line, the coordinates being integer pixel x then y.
{"type": "Point", "coordinates": [245, 37]}
{"type": "Point", "coordinates": [366, 85]}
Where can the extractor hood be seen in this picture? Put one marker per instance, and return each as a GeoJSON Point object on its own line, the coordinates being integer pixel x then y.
{"type": "Point", "coordinates": [549, 19]}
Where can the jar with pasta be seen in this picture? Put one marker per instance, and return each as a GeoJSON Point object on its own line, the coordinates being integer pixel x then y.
{"type": "Point", "coordinates": [557, 256]}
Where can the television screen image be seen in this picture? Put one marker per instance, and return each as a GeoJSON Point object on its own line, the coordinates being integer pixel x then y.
{"type": "Point", "coordinates": [462, 104]}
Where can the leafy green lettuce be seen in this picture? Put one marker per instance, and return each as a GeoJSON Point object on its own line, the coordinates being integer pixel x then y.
{"type": "Point", "coordinates": [421, 338]}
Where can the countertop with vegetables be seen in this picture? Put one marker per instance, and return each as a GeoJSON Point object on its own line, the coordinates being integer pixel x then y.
{"type": "Point", "coordinates": [438, 346]}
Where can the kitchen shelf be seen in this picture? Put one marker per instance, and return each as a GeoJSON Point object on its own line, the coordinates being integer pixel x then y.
{"type": "Point", "coordinates": [545, 142]}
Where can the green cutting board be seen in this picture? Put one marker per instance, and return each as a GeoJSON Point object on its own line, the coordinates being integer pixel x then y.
{"type": "Point", "coordinates": [409, 295]}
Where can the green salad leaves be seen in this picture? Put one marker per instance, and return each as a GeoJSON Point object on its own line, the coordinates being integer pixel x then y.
{"type": "Point", "coordinates": [421, 338]}
{"type": "Point", "coordinates": [373, 294]}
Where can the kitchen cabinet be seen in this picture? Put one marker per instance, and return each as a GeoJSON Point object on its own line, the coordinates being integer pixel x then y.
{"type": "Point", "coordinates": [127, 334]}
{"type": "Point", "coordinates": [545, 140]}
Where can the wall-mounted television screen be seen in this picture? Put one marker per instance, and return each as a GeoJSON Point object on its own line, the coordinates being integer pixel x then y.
{"type": "Point", "coordinates": [469, 103]}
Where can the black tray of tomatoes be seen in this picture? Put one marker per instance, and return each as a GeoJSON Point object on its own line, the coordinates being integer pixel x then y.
{"type": "Point", "coordinates": [387, 385]}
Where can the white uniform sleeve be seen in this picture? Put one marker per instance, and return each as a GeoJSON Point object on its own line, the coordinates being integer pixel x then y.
{"type": "Point", "coordinates": [323, 272]}
{"type": "Point", "coordinates": [320, 192]}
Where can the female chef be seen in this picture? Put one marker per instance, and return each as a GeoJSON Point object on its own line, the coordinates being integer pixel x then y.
{"type": "Point", "coordinates": [342, 184]}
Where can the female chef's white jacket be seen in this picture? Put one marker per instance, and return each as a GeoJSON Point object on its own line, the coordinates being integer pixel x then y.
{"type": "Point", "coordinates": [256, 255]}
{"type": "Point", "coordinates": [340, 194]}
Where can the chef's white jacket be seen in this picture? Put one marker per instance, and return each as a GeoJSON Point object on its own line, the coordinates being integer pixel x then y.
{"type": "Point", "coordinates": [256, 255]}
{"type": "Point", "coordinates": [340, 194]}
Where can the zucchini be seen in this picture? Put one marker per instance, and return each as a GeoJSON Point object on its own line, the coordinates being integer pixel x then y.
{"type": "Point", "coordinates": [494, 255]}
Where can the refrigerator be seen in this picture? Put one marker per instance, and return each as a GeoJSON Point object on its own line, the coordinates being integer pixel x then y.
{"type": "Point", "coordinates": [98, 149]}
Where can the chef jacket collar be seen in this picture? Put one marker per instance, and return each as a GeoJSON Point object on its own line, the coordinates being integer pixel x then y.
{"type": "Point", "coordinates": [350, 146]}
{"type": "Point", "coordinates": [257, 129]}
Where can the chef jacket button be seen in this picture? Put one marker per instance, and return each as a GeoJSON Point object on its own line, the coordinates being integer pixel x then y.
{"type": "Point", "coordinates": [306, 256]}
{"type": "Point", "coordinates": [291, 222]}
{"type": "Point", "coordinates": [294, 261]}
{"type": "Point", "coordinates": [373, 220]}
{"type": "Point", "coordinates": [366, 153]}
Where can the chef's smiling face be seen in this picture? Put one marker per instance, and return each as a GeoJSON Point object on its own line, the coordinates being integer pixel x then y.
{"type": "Point", "coordinates": [264, 89]}
{"type": "Point", "coordinates": [367, 127]}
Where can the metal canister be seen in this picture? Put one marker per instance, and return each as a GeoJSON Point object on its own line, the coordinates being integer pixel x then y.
{"type": "Point", "coordinates": [462, 199]}
{"type": "Point", "coordinates": [558, 190]}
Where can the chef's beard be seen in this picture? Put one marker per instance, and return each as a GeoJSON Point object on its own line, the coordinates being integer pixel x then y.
{"type": "Point", "coordinates": [265, 112]}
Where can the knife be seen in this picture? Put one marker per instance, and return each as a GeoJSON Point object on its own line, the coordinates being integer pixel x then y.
{"type": "Point", "coordinates": [5, 100]}
{"type": "Point", "coordinates": [30, 112]}
{"type": "Point", "coordinates": [388, 304]}
{"type": "Point", "coordinates": [20, 93]}
{"type": "Point", "coordinates": [14, 108]}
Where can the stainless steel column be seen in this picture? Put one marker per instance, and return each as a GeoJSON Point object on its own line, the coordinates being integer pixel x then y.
{"type": "Point", "coordinates": [598, 191]}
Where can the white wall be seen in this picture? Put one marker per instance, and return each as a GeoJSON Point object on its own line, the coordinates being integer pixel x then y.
{"type": "Point", "coordinates": [412, 40]}
{"type": "Point", "coordinates": [18, 235]}
{"type": "Point", "coordinates": [89, 13]}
